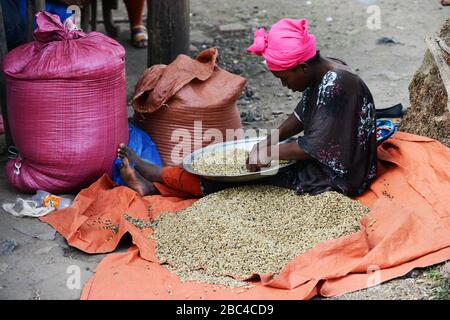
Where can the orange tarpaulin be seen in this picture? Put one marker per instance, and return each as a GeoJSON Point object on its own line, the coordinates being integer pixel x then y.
{"type": "Point", "coordinates": [408, 227]}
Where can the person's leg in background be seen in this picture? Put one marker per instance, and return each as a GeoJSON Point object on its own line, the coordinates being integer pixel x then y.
{"type": "Point", "coordinates": [139, 35]}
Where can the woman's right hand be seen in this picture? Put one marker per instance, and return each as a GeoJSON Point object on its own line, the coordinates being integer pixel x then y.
{"type": "Point", "coordinates": [258, 158]}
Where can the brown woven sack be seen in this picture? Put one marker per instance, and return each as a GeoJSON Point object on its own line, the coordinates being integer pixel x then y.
{"type": "Point", "coordinates": [187, 104]}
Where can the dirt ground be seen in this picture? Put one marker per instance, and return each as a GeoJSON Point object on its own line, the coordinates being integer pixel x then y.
{"type": "Point", "coordinates": [40, 265]}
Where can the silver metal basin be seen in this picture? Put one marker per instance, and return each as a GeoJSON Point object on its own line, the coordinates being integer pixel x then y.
{"type": "Point", "coordinates": [246, 144]}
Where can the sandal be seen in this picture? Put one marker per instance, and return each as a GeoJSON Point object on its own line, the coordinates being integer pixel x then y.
{"type": "Point", "coordinates": [385, 129]}
{"type": "Point", "coordinates": [139, 36]}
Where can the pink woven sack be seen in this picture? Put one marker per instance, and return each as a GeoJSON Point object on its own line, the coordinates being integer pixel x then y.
{"type": "Point", "coordinates": [66, 97]}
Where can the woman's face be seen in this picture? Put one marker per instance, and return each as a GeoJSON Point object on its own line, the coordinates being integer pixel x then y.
{"type": "Point", "coordinates": [296, 79]}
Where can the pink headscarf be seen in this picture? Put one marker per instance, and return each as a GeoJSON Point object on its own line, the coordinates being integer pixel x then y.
{"type": "Point", "coordinates": [287, 44]}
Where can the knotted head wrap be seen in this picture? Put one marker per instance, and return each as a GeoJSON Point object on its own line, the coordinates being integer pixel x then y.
{"type": "Point", "coordinates": [287, 44]}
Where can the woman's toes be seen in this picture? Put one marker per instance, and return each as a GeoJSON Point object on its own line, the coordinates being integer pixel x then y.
{"type": "Point", "coordinates": [123, 147]}
{"type": "Point", "coordinates": [122, 151]}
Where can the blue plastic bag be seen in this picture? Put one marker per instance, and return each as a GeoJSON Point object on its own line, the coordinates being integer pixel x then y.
{"type": "Point", "coordinates": [59, 8]}
{"type": "Point", "coordinates": [51, 6]}
{"type": "Point", "coordinates": [15, 19]}
{"type": "Point", "coordinates": [145, 148]}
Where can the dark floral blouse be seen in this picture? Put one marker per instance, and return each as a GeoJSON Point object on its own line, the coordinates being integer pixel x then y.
{"type": "Point", "coordinates": [338, 116]}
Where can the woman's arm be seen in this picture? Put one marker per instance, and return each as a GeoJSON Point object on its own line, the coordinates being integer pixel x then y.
{"type": "Point", "coordinates": [261, 152]}
{"type": "Point", "coordinates": [287, 151]}
{"type": "Point", "coordinates": [290, 127]}
{"type": "Point", "coordinates": [291, 151]}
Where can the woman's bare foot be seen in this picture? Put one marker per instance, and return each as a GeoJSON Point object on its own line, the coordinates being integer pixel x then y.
{"type": "Point", "coordinates": [124, 152]}
{"type": "Point", "coordinates": [135, 181]}
{"type": "Point", "coordinates": [445, 2]}
{"type": "Point", "coordinates": [147, 170]}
